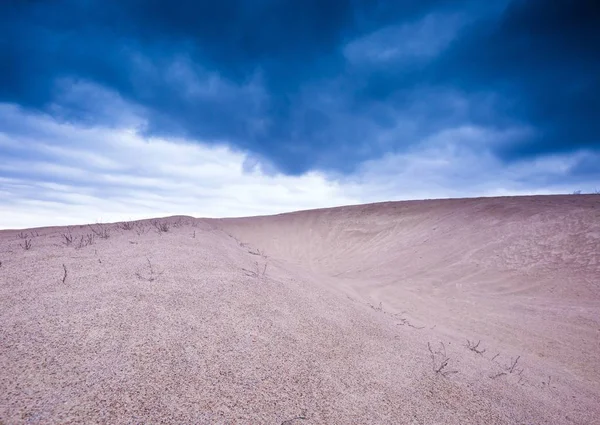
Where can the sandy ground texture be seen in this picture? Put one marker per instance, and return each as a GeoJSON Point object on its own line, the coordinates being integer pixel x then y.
{"type": "Point", "coordinates": [469, 311]}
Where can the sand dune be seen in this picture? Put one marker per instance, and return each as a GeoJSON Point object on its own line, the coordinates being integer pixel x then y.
{"type": "Point", "coordinates": [352, 315]}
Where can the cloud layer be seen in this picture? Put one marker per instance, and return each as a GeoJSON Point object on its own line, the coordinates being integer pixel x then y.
{"type": "Point", "coordinates": [323, 101]}
{"type": "Point", "coordinates": [59, 174]}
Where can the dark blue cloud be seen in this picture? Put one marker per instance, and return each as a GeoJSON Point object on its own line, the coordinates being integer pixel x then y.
{"type": "Point", "coordinates": [315, 83]}
{"type": "Point", "coordinates": [542, 58]}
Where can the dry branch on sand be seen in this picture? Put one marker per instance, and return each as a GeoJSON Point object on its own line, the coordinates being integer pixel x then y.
{"type": "Point", "coordinates": [151, 275]}
{"type": "Point", "coordinates": [257, 272]}
{"type": "Point", "coordinates": [513, 364]}
{"type": "Point", "coordinates": [509, 369]}
{"type": "Point", "coordinates": [439, 360]}
{"type": "Point", "coordinates": [140, 229]}
{"type": "Point", "coordinates": [86, 240]}
{"type": "Point", "coordinates": [26, 245]}
{"type": "Point", "coordinates": [475, 347]}
{"type": "Point", "coordinates": [101, 230]}
{"type": "Point", "coordinates": [126, 225]}
{"type": "Point", "coordinates": [406, 322]}
{"type": "Point", "coordinates": [161, 226]}
{"type": "Point", "coordinates": [68, 238]}
{"type": "Point", "coordinates": [65, 275]}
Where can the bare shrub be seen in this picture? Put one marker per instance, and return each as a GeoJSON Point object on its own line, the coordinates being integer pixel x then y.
{"type": "Point", "coordinates": [513, 365]}
{"type": "Point", "coordinates": [161, 226]}
{"type": "Point", "coordinates": [439, 360]}
{"type": "Point", "coordinates": [68, 238]}
{"type": "Point", "coordinates": [151, 275]}
{"type": "Point", "coordinates": [22, 235]}
{"type": "Point", "coordinates": [257, 252]}
{"type": "Point", "coordinates": [101, 230]}
{"type": "Point", "coordinates": [140, 229]}
{"type": "Point", "coordinates": [475, 347]}
{"type": "Point", "coordinates": [257, 272]}
{"type": "Point", "coordinates": [86, 240]}
{"type": "Point", "coordinates": [405, 322]}
{"type": "Point", "coordinates": [126, 225]}
{"type": "Point", "coordinates": [26, 245]}
{"type": "Point", "coordinates": [509, 369]}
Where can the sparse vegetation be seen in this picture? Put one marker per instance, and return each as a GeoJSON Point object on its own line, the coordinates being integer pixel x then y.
{"type": "Point", "coordinates": [509, 369]}
{"type": "Point", "coordinates": [140, 229]}
{"type": "Point", "coordinates": [68, 238]}
{"type": "Point", "coordinates": [26, 244]}
{"type": "Point", "coordinates": [100, 230]}
{"type": "Point", "coordinates": [475, 347]}
{"type": "Point", "coordinates": [22, 235]}
{"type": "Point", "coordinates": [161, 226]}
{"type": "Point", "coordinates": [258, 271]}
{"type": "Point", "coordinates": [257, 252]}
{"type": "Point", "coordinates": [513, 365]}
{"type": "Point", "coordinates": [151, 275]}
{"type": "Point", "coordinates": [86, 240]}
{"type": "Point", "coordinates": [405, 322]}
{"type": "Point", "coordinates": [127, 225]}
{"type": "Point", "coordinates": [439, 360]}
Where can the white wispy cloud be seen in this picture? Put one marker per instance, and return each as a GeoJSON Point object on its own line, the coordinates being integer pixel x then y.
{"type": "Point", "coordinates": [56, 173]}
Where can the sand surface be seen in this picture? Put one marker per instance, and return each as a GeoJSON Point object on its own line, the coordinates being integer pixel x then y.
{"type": "Point", "coordinates": [352, 315]}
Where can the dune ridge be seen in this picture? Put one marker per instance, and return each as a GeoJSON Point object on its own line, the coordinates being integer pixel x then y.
{"type": "Point", "coordinates": [349, 315]}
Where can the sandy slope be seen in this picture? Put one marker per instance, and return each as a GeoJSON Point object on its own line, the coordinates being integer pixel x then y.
{"type": "Point", "coordinates": [315, 317]}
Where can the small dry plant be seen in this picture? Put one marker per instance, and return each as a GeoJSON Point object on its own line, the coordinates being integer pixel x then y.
{"type": "Point", "coordinates": [475, 347]}
{"type": "Point", "coordinates": [68, 238]}
{"type": "Point", "coordinates": [258, 252]}
{"type": "Point", "coordinates": [65, 273]}
{"type": "Point", "coordinates": [161, 226]}
{"type": "Point", "coordinates": [151, 275]}
{"type": "Point", "coordinates": [510, 368]}
{"type": "Point", "coordinates": [140, 229]}
{"type": "Point", "coordinates": [257, 272]}
{"type": "Point", "coordinates": [403, 321]}
{"type": "Point", "coordinates": [22, 235]}
{"type": "Point", "coordinates": [26, 244]}
{"type": "Point", "coordinates": [100, 230]}
{"type": "Point", "coordinates": [86, 240]}
{"type": "Point", "coordinates": [127, 225]}
{"type": "Point", "coordinates": [439, 360]}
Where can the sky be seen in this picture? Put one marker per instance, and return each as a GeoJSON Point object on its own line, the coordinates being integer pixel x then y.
{"type": "Point", "coordinates": [120, 110]}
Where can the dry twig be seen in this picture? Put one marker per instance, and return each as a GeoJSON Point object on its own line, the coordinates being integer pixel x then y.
{"type": "Point", "coordinates": [474, 347]}
{"type": "Point", "coordinates": [439, 360]}
{"type": "Point", "coordinates": [152, 274]}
